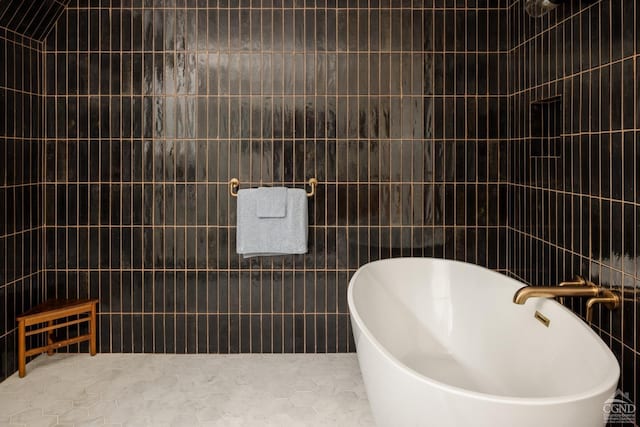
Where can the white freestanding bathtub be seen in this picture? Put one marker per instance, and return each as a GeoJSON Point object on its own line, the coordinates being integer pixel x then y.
{"type": "Point", "coordinates": [440, 343]}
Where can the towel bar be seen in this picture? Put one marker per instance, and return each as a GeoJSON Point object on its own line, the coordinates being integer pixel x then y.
{"type": "Point", "coordinates": [234, 183]}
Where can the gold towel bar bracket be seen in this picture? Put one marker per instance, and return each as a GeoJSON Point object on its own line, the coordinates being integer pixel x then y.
{"type": "Point", "coordinates": [234, 183]}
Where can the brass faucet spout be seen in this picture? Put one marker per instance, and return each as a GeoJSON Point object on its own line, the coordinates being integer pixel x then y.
{"type": "Point", "coordinates": [577, 288]}
{"type": "Point", "coordinates": [524, 293]}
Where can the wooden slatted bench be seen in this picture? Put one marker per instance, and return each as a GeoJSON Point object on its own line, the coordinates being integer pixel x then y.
{"type": "Point", "coordinates": [49, 312]}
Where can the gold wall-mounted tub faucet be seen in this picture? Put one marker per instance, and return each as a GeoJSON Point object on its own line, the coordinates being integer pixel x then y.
{"type": "Point", "coordinates": [578, 288]}
{"type": "Point", "coordinates": [523, 294]}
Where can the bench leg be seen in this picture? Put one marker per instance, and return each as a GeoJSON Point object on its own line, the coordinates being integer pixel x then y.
{"type": "Point", "coordinates": [22, 359]}
{"type": "Point", "coordinates": [92, 331]}
{"type": "Point", "coordinates": [50, 338]}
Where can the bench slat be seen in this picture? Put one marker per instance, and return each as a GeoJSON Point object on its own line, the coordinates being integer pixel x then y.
{"type": "Point", "coordinates": [58, 344]}
{"type": "Point", "coordinates": [58, 326]}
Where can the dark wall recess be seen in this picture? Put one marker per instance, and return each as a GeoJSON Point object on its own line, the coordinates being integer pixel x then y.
{"type": "Point", "coordinates": [546, 127]}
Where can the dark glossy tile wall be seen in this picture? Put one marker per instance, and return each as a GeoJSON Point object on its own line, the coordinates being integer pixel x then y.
{"type": "Point", "coordinates": [153, 106]}
{"type": "Point", "coordinates": [576, 207]}
{"type": "Point", "coordinates": [30, 18]}
{"type": "Point", "coordinates": [20, 207]}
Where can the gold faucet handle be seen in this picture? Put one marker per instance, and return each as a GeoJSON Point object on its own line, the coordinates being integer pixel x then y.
{"type": "Point", "coordinates": [610, 299]}
{"type": "Point", "coordinates": [579, 281]}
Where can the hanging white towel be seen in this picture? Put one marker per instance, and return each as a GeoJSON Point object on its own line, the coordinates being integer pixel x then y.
{"type": "Point", "coordinates": [272, 235]}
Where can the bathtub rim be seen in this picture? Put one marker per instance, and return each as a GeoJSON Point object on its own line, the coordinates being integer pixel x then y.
{"type": "Point", "coordinates": [610, 382]}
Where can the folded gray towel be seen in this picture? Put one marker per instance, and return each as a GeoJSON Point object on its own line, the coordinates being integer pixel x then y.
{"type": "Point", "coordinates": [272, 202]}
{"type": "Point", "coordinates": [257, 236]}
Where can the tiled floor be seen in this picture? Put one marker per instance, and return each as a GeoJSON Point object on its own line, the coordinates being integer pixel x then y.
{"type": "Point", "coordinates": [189, 390]}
